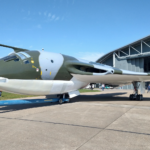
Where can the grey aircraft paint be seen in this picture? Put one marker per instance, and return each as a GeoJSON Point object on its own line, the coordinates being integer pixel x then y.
{"type": "Point", "coordinates": [50, 64]}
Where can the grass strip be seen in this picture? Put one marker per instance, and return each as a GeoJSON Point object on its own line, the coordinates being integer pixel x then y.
{"type": "Point", "coordinates": [87, 90]}
{"type": "Point", "coordinates": [6, 96]}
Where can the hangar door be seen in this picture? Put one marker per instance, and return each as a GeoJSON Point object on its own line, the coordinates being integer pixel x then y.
{"type": "Point", "coordinates": [147, 68]}
{"type": "Point", "coordinates": [147, 64]}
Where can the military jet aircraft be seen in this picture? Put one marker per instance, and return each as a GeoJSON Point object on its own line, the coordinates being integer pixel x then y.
{"type": "Point", "coordinates": [45, 73]}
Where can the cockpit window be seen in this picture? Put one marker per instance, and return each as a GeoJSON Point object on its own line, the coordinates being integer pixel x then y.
{"type": "Point", "coordinates": [9, 57]}
{"type": "Point", "coordinates": [23, 55]}
{"type": "Point", "coordinates": [14, 56]}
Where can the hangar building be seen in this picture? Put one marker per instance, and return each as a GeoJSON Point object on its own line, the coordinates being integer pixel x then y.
{"type": "Point", "coordinates": [134, 57]}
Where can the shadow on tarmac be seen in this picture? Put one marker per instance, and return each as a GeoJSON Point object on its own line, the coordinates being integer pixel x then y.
{"type": "Point", "coordinates": [105, 97]}
{"type": "Point", "coordinates": [101, 97]}
{"type": "Point", "coordinates": [82, 98]}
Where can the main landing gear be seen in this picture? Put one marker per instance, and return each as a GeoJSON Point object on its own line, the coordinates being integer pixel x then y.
{"type": "Point", "coordinates": [136, 96]}
{"type": "Point", "coordinates": [63, 98]}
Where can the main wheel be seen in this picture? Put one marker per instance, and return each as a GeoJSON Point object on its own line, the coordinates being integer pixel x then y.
{"type": "Point", "coordinates": [138, 97]}
{"type": "Point", "coordinates": [141, 97]}
{"type": "Point", "coordinates": [131, 97]}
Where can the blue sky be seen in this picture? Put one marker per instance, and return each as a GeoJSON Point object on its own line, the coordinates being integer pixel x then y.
{"type": "Point", "coordinates": [85, 29]}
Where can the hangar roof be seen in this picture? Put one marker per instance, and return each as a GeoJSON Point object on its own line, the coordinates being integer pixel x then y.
{"type": "Point", "coordinates": [136, 46]}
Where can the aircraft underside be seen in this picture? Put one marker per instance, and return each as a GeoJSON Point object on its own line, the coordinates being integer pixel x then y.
{"type": "Point", "coordinates": [41, 87]}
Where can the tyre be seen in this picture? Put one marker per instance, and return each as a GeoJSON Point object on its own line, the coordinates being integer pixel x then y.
{"type": "Point", "coordinates": [138, 97]}
{"type": "Point", "coordinates": [60, 101]}
{"type": "Point", "coordinates": [131, 97]}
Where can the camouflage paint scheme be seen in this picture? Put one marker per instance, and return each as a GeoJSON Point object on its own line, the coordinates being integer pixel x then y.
{"type": "Point", "coordinates": [41, 73]}
{"type": "Point", "coordinates": [19, 70]}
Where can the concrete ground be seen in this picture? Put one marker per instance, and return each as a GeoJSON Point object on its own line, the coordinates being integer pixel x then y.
{"type": "Point", "coordinates": [93, 121]}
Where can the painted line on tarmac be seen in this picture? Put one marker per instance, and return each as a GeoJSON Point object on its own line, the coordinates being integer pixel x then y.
{"type": "Point", "coordinates": [76, 125]}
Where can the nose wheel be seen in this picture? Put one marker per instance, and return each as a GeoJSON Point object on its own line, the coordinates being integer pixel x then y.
{"type": "Point", "coordinates": [136, 96]}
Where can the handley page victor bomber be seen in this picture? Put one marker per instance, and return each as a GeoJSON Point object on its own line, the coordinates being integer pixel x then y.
{"type": "Point", "coordinates": [46, 73]}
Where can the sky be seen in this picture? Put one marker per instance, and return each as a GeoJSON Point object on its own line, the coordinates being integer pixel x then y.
{"type": "Point", "coordinates": [85, 29]}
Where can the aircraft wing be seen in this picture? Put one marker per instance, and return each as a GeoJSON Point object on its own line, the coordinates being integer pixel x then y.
{"type": "Point", "coordinates": [91, 72]}
{"type": "Point", "coordinates": [16, 49]}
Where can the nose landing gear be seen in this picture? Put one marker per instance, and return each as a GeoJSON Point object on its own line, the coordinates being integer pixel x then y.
{"type": "Point", "coordinates": [63, 98]}
{"type": "Point", "coordinates": [136, 96]}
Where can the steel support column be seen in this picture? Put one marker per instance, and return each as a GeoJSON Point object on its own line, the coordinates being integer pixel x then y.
{"type": "Point", "coordinates": [141, 47]}
{"type": "Point", "coordinates": [114, 60]}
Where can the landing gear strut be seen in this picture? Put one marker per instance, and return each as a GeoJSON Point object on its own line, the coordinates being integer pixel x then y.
{"type": "Point", "coordinates": [136, 96]}
{"type": "Point", "coordinates": [63, 98]}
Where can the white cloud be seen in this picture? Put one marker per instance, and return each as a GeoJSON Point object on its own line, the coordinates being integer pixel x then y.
{"type": "Point", "coordinates": [53, 16]}
{"type": "Point", "coordinates": [91, 56]}
{"type": "Point", "coordinates": [49, 15]}
{"type": "Point", "coordinates": [57, 18]}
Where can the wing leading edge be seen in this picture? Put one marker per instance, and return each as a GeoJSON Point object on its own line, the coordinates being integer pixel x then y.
{"type": "Point", "coordinates": [16, 49]}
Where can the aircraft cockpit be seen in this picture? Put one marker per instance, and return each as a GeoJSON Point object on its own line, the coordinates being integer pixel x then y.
{"type": "Point", "coordinates": [16, 56]}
